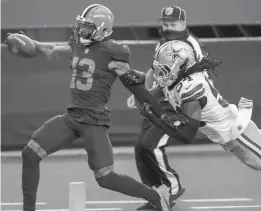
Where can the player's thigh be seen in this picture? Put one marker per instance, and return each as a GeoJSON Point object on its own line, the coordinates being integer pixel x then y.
{"type": "Point", "coordinates": [153, 138]}
{"type": "Point", "coordinates": [52, 135]}
{"type": "Point", "coordinates": [99, 149]}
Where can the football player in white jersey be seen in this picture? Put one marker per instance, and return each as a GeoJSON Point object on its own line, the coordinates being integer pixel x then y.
{"type": "Point", "coordinates": [183, 78]}
{"type": "Point", "coordinates": [150, 154]}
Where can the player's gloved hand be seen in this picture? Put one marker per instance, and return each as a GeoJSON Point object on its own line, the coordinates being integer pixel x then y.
{"type": "Point", "coordinates": [7, 34]}
{"type": "Point", "coordinates": [19, 32]}
{"type": "Point", "coordinates": [145, 110]}
{"type": "Point", "coordinates": [131, 102]}
{"type": "Point", "coordinates": [174, 121]}
{"type": "Point", "coordinates": [133, 77]}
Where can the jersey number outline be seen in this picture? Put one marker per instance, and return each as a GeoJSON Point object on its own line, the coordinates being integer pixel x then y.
{"type": "Point", "coordinates": [180, 84]}
{"type": "Point", "coordinates": [83, 70]}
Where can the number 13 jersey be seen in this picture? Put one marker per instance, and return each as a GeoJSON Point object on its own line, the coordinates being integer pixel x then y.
{"type": "Point", "coordinates": [92, 79]}
{"type": "Point", "coordinates": [217, 115]}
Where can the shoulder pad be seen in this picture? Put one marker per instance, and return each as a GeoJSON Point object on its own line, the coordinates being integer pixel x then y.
{"type": "Point", "coordinates": [191, 89]}
{"type": "Point", "coordinates": [119, 51]}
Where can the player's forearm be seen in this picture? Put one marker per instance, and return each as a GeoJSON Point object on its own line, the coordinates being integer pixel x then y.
{"type": "Point", "coordinates": [44, 48]}
{"type": "Point", "coordinates": [51, 50]}
{"type": "Point", "coordinates": [134, 81]}
{"type": "Point", "coordinates": [157, 93]}
{"type": "Point", "coordinates": [149, 78]}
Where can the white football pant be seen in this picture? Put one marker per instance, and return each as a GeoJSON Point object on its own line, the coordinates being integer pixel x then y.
{"type": "Point", "coordinates": [247, 147]}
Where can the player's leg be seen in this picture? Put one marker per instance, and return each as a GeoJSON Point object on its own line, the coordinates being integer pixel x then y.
{"type": "Point", "coordinates": [141, 167]}
{"type": "Point", "coordinates": [247, 147]}
{"type": "Point", "coordinates": [100, 159]}
{"type": "Point", "coordinates": [153, 146]}
{"type": "Point", "coordinates": [151, 149]}
{"type": "Point", "coordinates": [46, 140]}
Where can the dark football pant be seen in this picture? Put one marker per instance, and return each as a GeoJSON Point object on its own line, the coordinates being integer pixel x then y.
{"type": "Point", "coordinates": [62, 130]}
{"type": "Point", "coordinates": [151, 159]}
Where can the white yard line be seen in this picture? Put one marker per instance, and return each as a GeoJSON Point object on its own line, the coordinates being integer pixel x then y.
{"type": "Point", "coordinates": [227, 207]}
{"type": "Point", "coordinates": [90, 209]}
{"type": "Point", "coordinates": [217, 200]}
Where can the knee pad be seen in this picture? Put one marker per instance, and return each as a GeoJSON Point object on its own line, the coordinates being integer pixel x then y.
{"type": "Point", "coordinates": [103, 171]}
{"type": "Point", "coordinates": [29, 155]}
{"type": "Point", "coordinates": [38, 150]}
{"type": "Point", "coordinates": [105, 181]}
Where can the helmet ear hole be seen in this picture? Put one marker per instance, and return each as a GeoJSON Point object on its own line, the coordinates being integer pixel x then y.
{"type": "Point", "coordinates": [104, 29]}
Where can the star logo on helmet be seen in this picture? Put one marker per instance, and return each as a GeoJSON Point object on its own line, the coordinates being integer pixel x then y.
{"type": "Point", "coordinates": [175, 53]}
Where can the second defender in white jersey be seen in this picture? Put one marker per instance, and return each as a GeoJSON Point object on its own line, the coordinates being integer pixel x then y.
{"type": "Point", "coordinates": [217, 116]}
{"type": "Point", "coordinates": [183, 78]}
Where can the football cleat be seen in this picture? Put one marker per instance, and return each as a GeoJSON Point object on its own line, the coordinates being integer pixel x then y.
{"type": "Point", "coordinates": [174, 197]}
{"type": "Point", "coordinates": [164, 194]}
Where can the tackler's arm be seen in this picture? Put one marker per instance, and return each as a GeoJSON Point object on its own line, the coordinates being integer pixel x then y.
{"type": "Point", "coordinates": [134, 81]}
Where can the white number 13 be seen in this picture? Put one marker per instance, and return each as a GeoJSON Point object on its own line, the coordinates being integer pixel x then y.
{"type": "Point", "coordinates": [82, 80]}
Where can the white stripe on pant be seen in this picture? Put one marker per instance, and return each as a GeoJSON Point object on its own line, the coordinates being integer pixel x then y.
{"type": "Point", "coordinates": [247, 147]}
{"type": "Point", "coordinates": [159, 157]}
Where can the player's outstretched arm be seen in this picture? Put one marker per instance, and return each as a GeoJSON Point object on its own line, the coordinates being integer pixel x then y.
{"type": "Point", "coordinates": [133, 80]}
{"type": "Point", "coordinates": [148, 83]}
{"type": "Point", "coordinates": [51, 50]}
{"type": "Point", "coordinates": [19, 41]}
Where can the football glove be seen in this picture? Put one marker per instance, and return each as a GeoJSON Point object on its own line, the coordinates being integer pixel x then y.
{"type": "Point", "coordinates": [133, 77]}
{"type": "Point", "coordinates": [174, 121]}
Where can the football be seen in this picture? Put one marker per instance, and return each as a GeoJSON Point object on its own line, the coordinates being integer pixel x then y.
{"type": "Point", "coordinates": [21, 45]}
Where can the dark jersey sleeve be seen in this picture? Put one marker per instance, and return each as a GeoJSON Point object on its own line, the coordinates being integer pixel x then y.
{"type": "Point", "coordinates": [120, 53]}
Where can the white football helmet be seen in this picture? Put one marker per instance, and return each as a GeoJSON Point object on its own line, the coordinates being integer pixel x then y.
{"type": "Point", "coordinates": [169, 59]}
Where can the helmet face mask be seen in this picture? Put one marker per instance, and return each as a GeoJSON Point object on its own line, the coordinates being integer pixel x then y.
{"type": "Point", "coordinates": [168, 61]}
{"type": "Point", "coordinates": [84, 29]}
{"type": "Point", "coordinates": [164, 74]}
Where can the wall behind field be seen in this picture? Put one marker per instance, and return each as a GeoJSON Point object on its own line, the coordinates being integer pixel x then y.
{"type": "Point", "coordinates": [34, 90]}
{"type": "Point", "coordinates": [35, 13]}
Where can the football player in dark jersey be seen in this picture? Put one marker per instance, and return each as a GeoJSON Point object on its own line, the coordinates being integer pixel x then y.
{"type": "Point", "coordinates": [96, 62]}
{"type": "Point", "coordinates": [150, 156]}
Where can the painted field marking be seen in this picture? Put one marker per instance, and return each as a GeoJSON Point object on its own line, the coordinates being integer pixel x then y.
{"type": "Point", "coordinates": [227, 207]}
{"type": "Point", "coordinates": [183, 200]}
{"type": "Point", "coordinates": [91, 209]}
{"type": "Point", "coordinates": [217, 200]}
